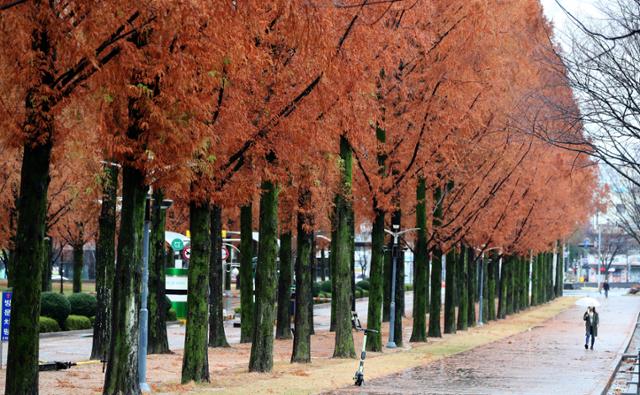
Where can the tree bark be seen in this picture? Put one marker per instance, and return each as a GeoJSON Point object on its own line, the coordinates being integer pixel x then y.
{"type": "Point", "coordinates": [105, 263]}
{"type": "Point", "coordinates": [22, 361]}
{"type": "Point", "coordinates": [261, 359]}
{"type": "Point", "coordinates": [217, 337]}
{"type": "Point", "coordinates": [504, 284]}
{"type": "Point", "coordinates": [421, 268]}
{"type": "Point", "coordinates": [463, 302]}
{"type": "Point", "coordinates": [195, 362]}
{"type": "Point", "coordinates": [436, 289]}
{"type": "Point", "coordinates": [323, 265]}
{"type": "Point", "coordinates": [302, 336]}
{"type": "Point", "coordinates": [560, 271]}
{"type": "Point", "coordinates": [344, 347]}
{"type": "Point", "coordinates": [122, 366]}
{"type": "Point", "coordinates": [450, 292]}
{"type": "Point", "coordinates": [46, 264]}
{"type": "Point", "coordinates": [374, 308]}
{"type": "Point", "coordinates": [492, 274]}
{"type": "Point", "coordinates": [158, 342]}
{"type": "Point", "coordinates": [246, 274]}
{"type": "Point", "coordinates": [283, 323]}
{"type": "Point", "coordinates": [78, 264]}
{"type": "Point", "coordinates": [473, 271]}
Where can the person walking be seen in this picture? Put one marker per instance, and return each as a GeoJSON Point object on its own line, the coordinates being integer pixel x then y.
{"type": "Point", "coordinates": [605, 286]}
{"type": "Point", "coordinates": [591, 321]}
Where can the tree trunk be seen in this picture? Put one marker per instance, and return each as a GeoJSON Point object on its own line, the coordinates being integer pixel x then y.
{"type": "Point", "coordinates": [450, 292]}
{"type": "Point", "coordinates": [323, 265]}
{"type": "Point", "coordinates": [246, 274]}
{"type": "Point", "coordinates": [420, 268]}
{"type": "Point", "coordinates": [302, 336]}
{"type": "Point", "coordinates": [78, 264]}
{"type": "Point", "coordinates": [436, 289]}
{"type": "Point", "coordinates": [374, 308]}
{"type": "Point", "coordinates": [312, 280]}
{"type": "Point", "coordinates": [344, 347]}
{"type": "Point", "coordinates": [46, 264]}
{"type": "Point", "coordinates": [503, 289]}
{"type": "Point", "coordinates": [332, 266]}
{"type": "Point", "coordinates": [473, 271]}
{"type": "Point", "coordinates": [492, 274]}
{"type": "Point", "coordinates": [105, 263]}
{"type": "Point", "coordinates": [195, 362]}
{"type": "Point", "coordinates": [283, 323]}
{"type": "Point", "coordinates": [157, 342]}
{"type": "Point", "coordinates": [22, 360]}
{"type": "Point", "coordinates": [511, 266]}
{"type": "Point", "coordinates": [261, 359]}
{"type": "Point", "coordinates": [560, 271]}
{"type": "Point", "coordinates": [217, 337]}
{"type": "Point", "coordinates": [463, 283]}
{"type": "Point", "coordinates": [122, 367]}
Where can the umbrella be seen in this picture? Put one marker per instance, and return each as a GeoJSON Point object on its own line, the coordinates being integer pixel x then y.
{"type": "Point", "coordinates": [586, 302]}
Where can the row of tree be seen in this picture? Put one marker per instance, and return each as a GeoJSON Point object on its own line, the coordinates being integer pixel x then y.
{"type": "Point", "coordinates": [316, 117]}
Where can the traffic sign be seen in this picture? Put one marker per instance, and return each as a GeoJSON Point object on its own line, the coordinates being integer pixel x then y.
{"type": "Point", "coordinates": [225, 253]}
{"type": "Point", "coordinates": [6, 315]}
{"type": "Point", "coordinates": [177, 244]}
{"type": "Point", "coordinates": [186, 252]}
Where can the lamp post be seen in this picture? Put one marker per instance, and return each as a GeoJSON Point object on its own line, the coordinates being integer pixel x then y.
{"type": "Point", "coordinates": [144, 312]}
{"type": "Point", "coordinates": [392, 308]}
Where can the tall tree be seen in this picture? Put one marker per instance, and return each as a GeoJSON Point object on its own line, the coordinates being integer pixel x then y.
{"type": "Point", "coordinates": [421, 268]}
{"type": "Point", "coordinates": [261, 359]}
{"type": "Point", "coordinates": [246, 273]}
{"type": "Point", "coordinates": [217, 337]}
{"type": "Point", "coordinates": [302, 335]}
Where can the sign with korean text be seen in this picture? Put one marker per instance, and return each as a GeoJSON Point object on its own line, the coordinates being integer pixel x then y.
{"type": "Point", "coordinates": [5, 315]}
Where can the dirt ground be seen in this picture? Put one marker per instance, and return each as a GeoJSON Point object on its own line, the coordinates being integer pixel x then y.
{"type": "Point", "coordinates": [228, 366]}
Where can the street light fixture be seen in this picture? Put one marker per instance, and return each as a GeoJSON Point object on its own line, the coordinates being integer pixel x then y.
{"type": "Point", "coordinates": [392, 308]}
{"type": "Point", "coordinates": [144, 312]}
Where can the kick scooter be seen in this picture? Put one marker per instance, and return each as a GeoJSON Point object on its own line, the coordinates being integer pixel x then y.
{"type": "Point", "coordinates": [358, 377]}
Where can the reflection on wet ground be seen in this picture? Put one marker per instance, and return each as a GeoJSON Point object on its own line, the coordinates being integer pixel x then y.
{"type": "Point", "coordinates": [548, 359]}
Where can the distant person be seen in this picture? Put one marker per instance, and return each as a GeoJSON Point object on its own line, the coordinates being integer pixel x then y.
{"type": "Point", "coordinates": [605, 286]}
{"type": "Point", "coordinates": [591, 321]}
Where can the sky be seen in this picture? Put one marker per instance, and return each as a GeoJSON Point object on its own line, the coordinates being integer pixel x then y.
{"type": "Point", "coordinates": [585, 10]}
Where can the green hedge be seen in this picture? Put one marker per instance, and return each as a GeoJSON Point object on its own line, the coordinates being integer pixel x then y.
{"type": "Point", "coordinates": [92, 319]}
{"type": "Point", "coordinates": [316, 289]}
{"type": "Point", "coordinates": [83, 304]}
{"type": "Point", "coordinates": [56, 306]}
{"type": "Point", "coordinates": [171, 315]}
{"type": "Point", "coordinates": [325, 286]}
{"type": "Point", "coordinates": [364, 284]}
{"type": "Point", "coordinates": [47, 324]}
{"type": "Point", "coordinates": [76, 322]}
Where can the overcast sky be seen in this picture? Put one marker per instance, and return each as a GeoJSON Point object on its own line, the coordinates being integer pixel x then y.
{"type": "Point", "coordinates": [585, 10]}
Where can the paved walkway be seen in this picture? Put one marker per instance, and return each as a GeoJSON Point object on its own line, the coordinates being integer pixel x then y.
{"type": "Point", "coordinates": [548, 359]}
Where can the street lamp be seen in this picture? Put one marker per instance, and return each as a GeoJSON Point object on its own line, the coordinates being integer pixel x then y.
{"type": "Point", "coordinates": [144, 312]}
{"type": "Point", "coordinates": [586, 244]}
{"type": "Point", "coordinates": [392, 310]}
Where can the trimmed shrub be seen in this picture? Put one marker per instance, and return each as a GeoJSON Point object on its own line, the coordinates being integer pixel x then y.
{"type": "Point", "coordinates": [316, 289]}
{"type": "Point", "coordinates": [56, 306]}
{"type": "Point", "coordinates": [364, 284]}
{"type": "Point", "coordinates": [408, 287]}
{"type": "Point", "coordinates": [326, 286]}
{"type": "Point", "coordinates": [237, 310]}
{"type": "Point", "coordinates": [76, 322]}
{"type": "Point", "coordinates": [47, 324]}
{"type": "Point", "coordinates": [365, 293]}
{"type": "Point", "coordinates": [92, 319]}
{"type": "Point", "coordinates": [167, 305]}
{"type": "Point", "coordinates": [171, 315]}
{"type": "Point", "coordinates": [83, 304]}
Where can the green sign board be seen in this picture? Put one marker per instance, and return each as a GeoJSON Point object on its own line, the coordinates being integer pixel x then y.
{"type": "Point", "coordinates": [177, 244]}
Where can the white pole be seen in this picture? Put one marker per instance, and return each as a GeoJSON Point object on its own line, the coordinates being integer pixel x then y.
{"type": "Point", "coordinates": [599, 250]}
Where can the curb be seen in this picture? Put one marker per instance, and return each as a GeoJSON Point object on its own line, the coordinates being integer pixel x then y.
{"type": "Point", "coordinates": [49, 335]}
{"type": "Point", "coordinates": [609, 381]}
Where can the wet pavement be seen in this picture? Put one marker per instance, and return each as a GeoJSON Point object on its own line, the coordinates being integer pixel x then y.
{"type": "Point", "coordinates": [547, 359]}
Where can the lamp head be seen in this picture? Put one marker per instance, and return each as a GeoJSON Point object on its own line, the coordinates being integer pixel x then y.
{"type": "Point", "coordinates": [166, 203]}
{"type": "Point", "coordinates": [395, 226]}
